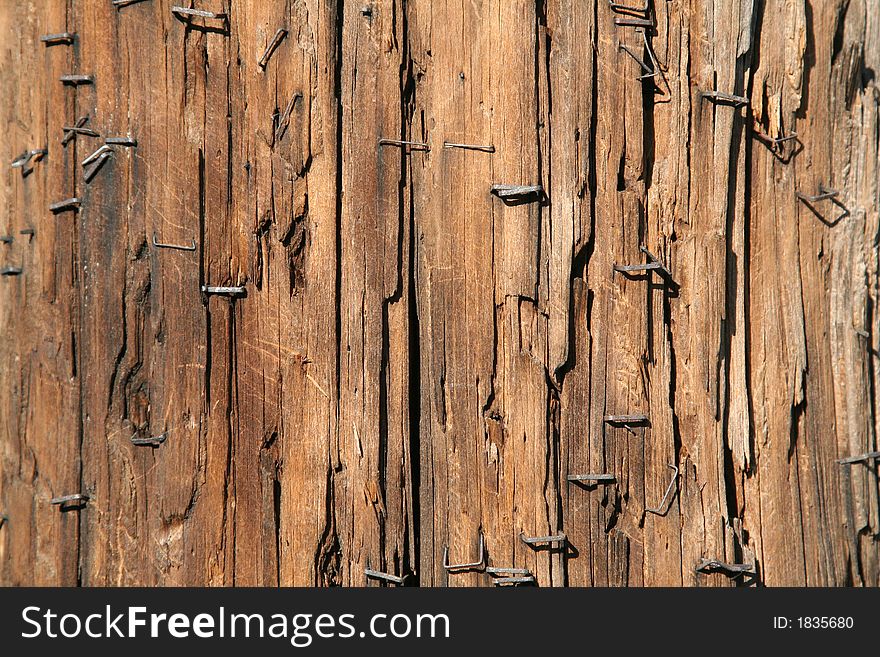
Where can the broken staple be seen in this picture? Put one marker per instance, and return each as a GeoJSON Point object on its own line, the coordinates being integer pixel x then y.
{"type": "Point", "coordinates": [270, 49]}
{"type": "Point", "coordinates": [67, 204]}
{"type": "Point", "coordinates": [413, 145]}
{"type": "Point", "coordinates": [10, 271]}
{"type": "Point", "coordinates": [124, 3]}
{"type": "Point", "coordinates": [63, 38]}
{"type": "Point", "coordinates": [6, 239]}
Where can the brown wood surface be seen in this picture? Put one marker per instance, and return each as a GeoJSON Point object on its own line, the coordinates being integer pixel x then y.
{"type": "Point", "coordinates": [419, 364]}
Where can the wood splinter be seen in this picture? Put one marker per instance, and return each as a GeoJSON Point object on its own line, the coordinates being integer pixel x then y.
{"type": "Point", "coordinates": [413, 145]}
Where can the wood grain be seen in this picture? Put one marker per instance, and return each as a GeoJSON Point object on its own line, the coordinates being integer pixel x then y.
{"type": "Point", "coordinates": [417, 362]}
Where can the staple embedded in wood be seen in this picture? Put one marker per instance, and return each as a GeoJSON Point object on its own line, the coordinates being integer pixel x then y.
{"type": "Point", "coordinates": [72, 204]}
{"type": "Point", "coordinates": [513, 581]}
{"type": "Point", "coordinates": [121, 141]}
{"type": "Point", "coordinates": [518, 193]}
{"type": "Point", "coordinates": [70, 132]}
{"type": "Point", "coordinates": [270, 49]}
{"type": "Point", "coordinates": [124, 3]}
{"type": "Point", "coordinates": [229, 291]}
{"type": "Point", "coordinates": [653, 264]}
{"type": "Point", "coordinates": [732, 569]}
{"type": "Point", "coordinates": [721, 98]}
{"type": "Point", "coordinates": [634, 22]}
{"type": "Point", "coordinates": [412, 145]}
{"type": "Point", "coordinates": [620, 7]}
{"type": "Point", "coordinates": [27, 231]}
{"type": "Point", "coordinates": [823, 195]}
{"type": "Point", "coordinates": [69, 501]}
{"type": "Point", "coordinates": [60, 39]}
{"type": "Point", "coordinates": [76, 80]}
{"type": "Point", "coordinates": [184, 12]}
{"type": "Point", "coordinates": [772, 141]}
{"type": "Point", "coordinates": [626, 419]}
{"type": "Point", "coordinates": [10, 271]}
{"type": "Point", "coordinates": [861, 458]}
{"type": "Point", "coordinates": [386, 577]}
{"type": "Point", "coordinates": [488, 148]}
{"type": "Point", "coordinates": [592, 478]}
{"type": "Point", "coordinates": [541, 540]}
{"type": "Point", "coordinates": [658, 510]}
{"type": "Point", "coordinates": [178, 247]}
{"type": "Point", "coordinates": [152, 441]}
{"type": "Point", "coordinates": [35, 154]}
{"type": "Point", "coordinates": [6, 239]}
{"type": "Point", "coordinates": [648, 266]}
{"type": "Point", "coordinates": [96, 166]}
{"type": "Point", "coordinates": [648, 72]}
{"type": "Point", "coordinates": [495, 571]}
{"type": "Point", "coordinates": [4, 518]}
{"type": "Point", "coordinates": [476, 565]}
{"type": "Point", "coordinates": [94, 156]}
{"type": "Point", "coordinates": [282, 121]}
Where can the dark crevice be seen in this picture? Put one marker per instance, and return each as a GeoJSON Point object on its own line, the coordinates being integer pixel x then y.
{"type": "Point", "coordinates": [408, 91]}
